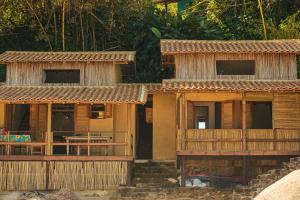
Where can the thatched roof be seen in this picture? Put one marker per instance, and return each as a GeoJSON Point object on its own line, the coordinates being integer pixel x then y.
{"type": "Point", "coordinates": [231, 85]}
{"type": "Point", "coordinates": [101, 56]}
{"type": "Point", "coordinates": [123, 93]}
{"type": "Point", "coordinates": [219, 46]}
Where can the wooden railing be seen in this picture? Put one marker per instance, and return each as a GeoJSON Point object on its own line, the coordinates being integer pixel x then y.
{"type": "Point", "coordinates": [238, 140]}
{"type": "Point", "coordinates": [77, 141]}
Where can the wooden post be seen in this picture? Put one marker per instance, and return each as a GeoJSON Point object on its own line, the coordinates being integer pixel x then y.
{"type": "Point", "coordinates": [89, 140]}
{"type": "Point", "coordinates": [244, 170]}
{"type": "Point", "coordinates": [49, 126]}
{"type": "Point", "coordinates": [8, 149]}
{"type": "Point", "coordinates": [184, 112]}
{"type": "Point", "coordinates": [114, 107]}
{"type": "Point", "coordinates": [129, 173]}
{"type": "Point", "coordinates": [47, 163]}
{"type": "Point", "coordinates": [244, 133]}
{"type": "Point", "coordinates": [182, 170]}
{"type": "Point", "coordinates": [244, 124]}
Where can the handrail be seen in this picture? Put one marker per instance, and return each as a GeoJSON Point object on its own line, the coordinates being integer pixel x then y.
{"type": "Point", "coordinates": [89, 144]}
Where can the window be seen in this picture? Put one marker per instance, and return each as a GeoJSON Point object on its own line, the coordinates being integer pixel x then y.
{"type": "Point", "coordinates": [202, 117]}
{"type": "Point", "coordinates": [62, 76]}
{"type": "Point", "coordinates": [235, 67]}
{"type": "Point", "coordinates": [262, 115]}
{"type": "Point", "coordinates": [101, 111]}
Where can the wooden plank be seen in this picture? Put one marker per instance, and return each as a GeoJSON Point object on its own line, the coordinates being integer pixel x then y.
{"type": "Point", "coordinates": [49, 126]}
{"type": "Point", "coordinates": [244, 133]}
{"type": "Point", "coordinates": [214, 139]}
{"type": "Point", "coordinates": [24, 143]}
{"type": "Point", "coordinates": [182, 171]}
{"type": "Point", "coordinates": [64, 158]}
{"type": "Point", "coordinates": [238, 153]}
{"type": "Point", "coordinates": [89, 144]}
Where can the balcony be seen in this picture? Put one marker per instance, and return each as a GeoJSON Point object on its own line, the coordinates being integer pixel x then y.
{"type": "Point", "coordinates": [238, 142]}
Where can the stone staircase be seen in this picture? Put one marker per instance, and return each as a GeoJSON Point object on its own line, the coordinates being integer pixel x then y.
{"type": "Point", "coordinates": [150, 177]}
{"type": "Point", "coordinates": [151, 182]}
{"type": "Point", "coordinates": [264, 180]}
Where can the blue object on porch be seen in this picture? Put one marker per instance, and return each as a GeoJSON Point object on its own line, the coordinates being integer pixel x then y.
{"type": "Point", "coordinates": [184, 4]}
{"type": "Point", "coordinates": [15, 138]}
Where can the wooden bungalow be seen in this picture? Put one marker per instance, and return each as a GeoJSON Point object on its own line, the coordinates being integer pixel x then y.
{"type": "Point", "coordinates": [235, 102]}
{"type": "Point", "coordinates": [67, 120]}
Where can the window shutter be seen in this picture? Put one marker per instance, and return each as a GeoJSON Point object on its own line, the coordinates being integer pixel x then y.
{"type": "Point", "coordinates": [108, 111]}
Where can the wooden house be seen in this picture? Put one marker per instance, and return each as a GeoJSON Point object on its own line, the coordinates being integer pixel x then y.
{"type": "Point", "coordinates": [231, 109]}
{"type": "Point", "coordinates": [67, 120]}
{"type": "Point", "coordinates": [235, 102]}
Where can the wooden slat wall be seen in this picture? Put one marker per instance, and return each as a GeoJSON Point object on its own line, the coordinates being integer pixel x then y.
{"type": "Point", "coordinates": [216, 140]}
{"type": "Point", "coordinates": [214, 134]}
{"type": "Point", "coordinates": [268, 66]}
{"type": "Point", "coordinates": [87, 175]}
{"type": "Point", "coordinates": [34, 121]}
{"type": "Point", "coordinates": [190, 115]}
{"type": "Point", "coordinates": [82, 117]}
{"type": "Point", "coordinates": [38, 121]}
{"type": "Point", "coordinates": [91, 74]}
{"type": "Point", "coordinates": [248, 115]}
{"type": "Point", "coordinates": [227, 115]}
{"type": "Point", "coordinates": [287, 111]}
{"type": "Point", "coordinates": [90, 175]}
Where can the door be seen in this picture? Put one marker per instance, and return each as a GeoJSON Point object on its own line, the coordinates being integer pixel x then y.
{"type": "Point", "coordinates": [144, 130]}
{"type": "Point", "coordinates": [62, 124]}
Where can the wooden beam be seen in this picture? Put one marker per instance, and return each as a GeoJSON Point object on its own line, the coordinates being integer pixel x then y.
{"type": "Point", "coordinates": [49, 127]}
{"type": "Point", "coordinates": [89, 144]}
{"type": "Point", "coordinates": [241, 140]}
{"type": "Point", "coordinates": [184, 121]}
{"type": "Point", "coordinates": [129, 173]}
{"type": "Point", "coordinates": [238, 153]}
{"type": "Point", "coordinates": [244, 134]}
{"type": "Point", "coordinates": [182, 171]}
{"type": "Point", "coordinates": [64, 158]}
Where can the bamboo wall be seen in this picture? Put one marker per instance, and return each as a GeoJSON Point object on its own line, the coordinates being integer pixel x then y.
{"type": "Point", "coordinates": [91, 74]}
{"type": "Point", "coordinates": [82, 117]}
{"type": "Point", "coordinates": [287, 110]}
{"type": "Point", "coordinates": [38, 121]}
{"type": "Point", "coordinates": [2, 113]}
{"type": "Point", "coordinates": [227, 115]}
{"type": "Point", "coordinates": [23, 175]}
{"type": "Point", "coordinates": [87, 175]}
{"type": "Point", "coordinates": [226, 140]}
{"type": "Point", "coordinates": [90, 175]}
{"type": "Point", "coordinates": [267, 66]}
{"type": "Point", "coordinates": [194, 137]}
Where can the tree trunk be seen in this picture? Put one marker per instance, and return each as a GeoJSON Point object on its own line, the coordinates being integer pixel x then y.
{"type": "Point", "coordinates": [63, 25]}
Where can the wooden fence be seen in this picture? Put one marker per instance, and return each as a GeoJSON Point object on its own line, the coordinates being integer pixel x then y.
{"type": "Point", "coordinates": [53, 175]}
{"type": "Point", "coordinates": [237, 140]}
{"type": "Point", "coordinates": [86, 140]}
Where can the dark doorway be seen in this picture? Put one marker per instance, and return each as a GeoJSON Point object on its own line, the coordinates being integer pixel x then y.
{"type": "Point", "coordinates": [218, 115]}
{"type": "Point", "coordinates": [18, 117]}
{"type": "Point", "coordinates": [62, 124]}
{"type": "Point", "coordinates": [144, 130]}
{"type": "Point", "coordinates": [262, 115]}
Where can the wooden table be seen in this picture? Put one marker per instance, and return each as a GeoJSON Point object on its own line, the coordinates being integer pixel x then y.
{"type": "Point", "coordinates": [88, 139]}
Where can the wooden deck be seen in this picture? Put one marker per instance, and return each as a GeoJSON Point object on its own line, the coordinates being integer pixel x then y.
{"type": "Point", "coordinates": [63, 158]}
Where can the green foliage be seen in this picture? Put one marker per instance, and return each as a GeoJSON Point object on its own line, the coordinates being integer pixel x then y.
{"type": "Point", "coordinates": [96, 25]}
{"type": "Point", "coordinates": [2, 73]}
